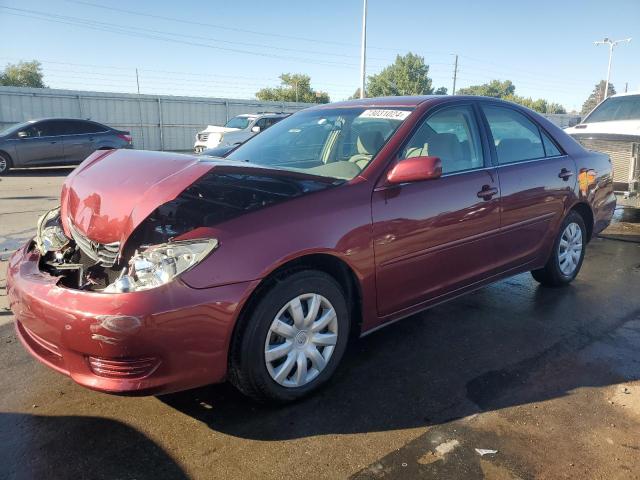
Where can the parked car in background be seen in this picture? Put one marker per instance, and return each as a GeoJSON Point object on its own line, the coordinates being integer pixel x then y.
{"type": "Point", "coordinates": [175, 271]}
{"type": "Point", "coordinates": [56, 141]}
{"type": "Point", "coordinates": [235, 131]}
{"type": "Point", "coordinates": [613, 127]}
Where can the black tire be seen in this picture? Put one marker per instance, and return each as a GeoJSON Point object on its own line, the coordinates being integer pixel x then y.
{"type": "Point", "coordinates": [551, 275]}
{"type": "Point", "coordinates": [5, 164]}
{"type": "Point", "coordinates": [248, 370]}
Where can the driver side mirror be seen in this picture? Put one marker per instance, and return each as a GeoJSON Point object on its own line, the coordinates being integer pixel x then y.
{"type": "Point", "coordinates": [23, 134]}
{"type": "Point", "coordinates": [255, 129]}
{"type": "Point", "coordinates": [415, 169]}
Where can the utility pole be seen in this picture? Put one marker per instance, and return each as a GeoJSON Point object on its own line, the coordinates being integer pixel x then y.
{"type": "Point", "coordinates": [363, 51]}
{"type": "Point", "coordinates": [611, 43]}
{"type": "Point", "coordinates": [455, 74]}
{"type": "Point", "coordinates": [140, 108]}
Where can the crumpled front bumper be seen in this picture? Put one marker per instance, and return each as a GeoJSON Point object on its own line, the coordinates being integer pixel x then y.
{"type": "Point", "coordinates": [156, 341]}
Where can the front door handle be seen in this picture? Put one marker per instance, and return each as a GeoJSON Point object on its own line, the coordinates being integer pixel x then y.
{"type": "Point", "coordinates": [487, 192]}
{"type": "Point", "coordinates": [565, 174]}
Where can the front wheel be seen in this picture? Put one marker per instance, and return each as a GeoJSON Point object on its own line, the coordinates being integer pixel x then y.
{"type": "Point", "coordinates": [291, 343]}
{"type": "Point", "coordinates": [5, 164]}
{"type": "Point", "coordinates": [567, 255]}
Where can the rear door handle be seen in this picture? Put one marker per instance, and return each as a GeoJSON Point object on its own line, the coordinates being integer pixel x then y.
{"type": "Point", "coordinates": [565, 174]}
{"type": "Point", "coordinates": [487, 192]}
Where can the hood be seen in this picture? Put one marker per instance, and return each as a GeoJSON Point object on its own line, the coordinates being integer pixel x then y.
{"type": "Point", "coordinates": [112, 191]}
{"type": "Point", "coordinates": [216, 129]}
{"type": "Point", "coordinates": [618, 127]}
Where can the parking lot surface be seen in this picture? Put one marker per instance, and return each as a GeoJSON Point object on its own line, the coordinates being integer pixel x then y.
{"type": "Point", "coordinates": [512, 381]}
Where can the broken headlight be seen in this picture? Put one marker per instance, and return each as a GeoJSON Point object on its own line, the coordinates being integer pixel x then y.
{"type": "Point", "coordinates": [159, 264]}
{"type": "Point", "coordinates": [50, 236]}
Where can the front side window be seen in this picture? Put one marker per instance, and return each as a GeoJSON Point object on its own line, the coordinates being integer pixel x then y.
{"type": "Point", "coordinates": [450, 134]}
{"type": "Point", "coordinates": [331, 142]}
{"type": "Point", "coordinates": [238, 122]}
{"type": "Point", "coordinates": [516, 138]}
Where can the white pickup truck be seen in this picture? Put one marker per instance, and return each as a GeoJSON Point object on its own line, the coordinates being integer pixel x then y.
{"type": "Point", "coordinates": [613, 127]}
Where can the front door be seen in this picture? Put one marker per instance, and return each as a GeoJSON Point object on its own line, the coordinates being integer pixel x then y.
{"type": "Point", "coordinates": [40, 146]}
{"type": "Point", "coordinates": [536, 182]}
{"type": "Point", "coordinates": [436, 236]}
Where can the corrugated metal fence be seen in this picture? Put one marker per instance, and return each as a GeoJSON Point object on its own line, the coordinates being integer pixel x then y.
{"type": "Point", "coordinates": [156, 122]}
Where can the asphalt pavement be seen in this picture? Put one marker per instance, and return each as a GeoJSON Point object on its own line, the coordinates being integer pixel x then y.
{"type": "Point", "coordinates": [512, 381]}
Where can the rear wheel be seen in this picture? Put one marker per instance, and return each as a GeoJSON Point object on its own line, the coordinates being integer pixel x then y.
{"type": "Point", "coordinates": [5, 164]}
{"type": "Point", "coordinates": [291, 343]}
{"type": "Point", "coordinates": [567, 255]}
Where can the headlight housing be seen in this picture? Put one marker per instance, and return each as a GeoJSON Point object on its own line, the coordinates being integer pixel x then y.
{"type": "Point", "coordinates": [50, 236]}
{"type": "Point", "coordinates": [159, 264]}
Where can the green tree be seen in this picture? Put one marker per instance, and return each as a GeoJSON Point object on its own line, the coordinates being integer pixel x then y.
{"type": "Point", "coordinates": [408, 75]}
{"type": "Point", "coordinates": [295, 87]}
{"type": "Point", "coordinates": [441, 91]}
{"type": "Point", "coordinates": [597, 95]}
{"type": "Point", "coordinates": [22, 74]}
{"type": "Point", "coordinates": [507, 91]}
{"type": "Point", "coordinates": [495, 88]}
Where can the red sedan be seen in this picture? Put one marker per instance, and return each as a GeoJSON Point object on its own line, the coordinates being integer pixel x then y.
{"type": "Point", "coordinates": [161, 272]}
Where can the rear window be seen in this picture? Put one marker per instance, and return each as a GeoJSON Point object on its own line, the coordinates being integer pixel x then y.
{"type": "Point", "coordinates": [616, 108]}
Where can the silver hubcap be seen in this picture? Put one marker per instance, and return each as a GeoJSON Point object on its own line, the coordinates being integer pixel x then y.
{"type": "Point", "coordinates": [570, 249]}
{"type": "Point", "coordinates": [3, 164]}
{"type": "Point", "coordinates": [301, 340]}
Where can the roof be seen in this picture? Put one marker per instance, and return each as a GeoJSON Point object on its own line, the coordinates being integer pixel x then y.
{"type": "Point", "coordinates": [401, 101]}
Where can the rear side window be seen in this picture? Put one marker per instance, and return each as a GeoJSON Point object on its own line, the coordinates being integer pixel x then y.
{"type": "Point", "coordinates": [550, 148]}
{"type": "Point", "coordinates": [450, 134]}
{"type": "Point", "coordinates": [75, 127]}
{"type": "Point", "coordinates": [516, 138]}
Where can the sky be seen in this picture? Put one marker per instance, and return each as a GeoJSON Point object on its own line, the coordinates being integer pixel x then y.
{"type": "Point", "coordinates": [232, 49]}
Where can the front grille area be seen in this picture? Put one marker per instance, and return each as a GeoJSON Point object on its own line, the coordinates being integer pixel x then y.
{"type": "Point", "coordinates": [105, 253]}
{"type": "Point", "coordinates": [622, 153]}
{"type": "Point", "coordinates": [203, 137]}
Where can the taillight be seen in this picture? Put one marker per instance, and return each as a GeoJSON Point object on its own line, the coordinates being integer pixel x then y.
{"type": "Point", "coordinates": [123, 367]}
{"type": "Point", "coordinates": [125, 137]}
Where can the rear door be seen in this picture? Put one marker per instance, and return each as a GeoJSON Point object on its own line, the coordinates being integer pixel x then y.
{"type": "Point", "coordinates": [436, 236]}
{"type": "Point", "coordinates": [80, 138]}
{"type": "Point", "coordinates": [41, 146]}
{"type": "Point", "coordinates": [536, 182]}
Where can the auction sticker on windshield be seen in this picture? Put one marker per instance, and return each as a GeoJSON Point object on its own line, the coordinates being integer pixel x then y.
{"type": "Point", "coordinates": [388, 114]}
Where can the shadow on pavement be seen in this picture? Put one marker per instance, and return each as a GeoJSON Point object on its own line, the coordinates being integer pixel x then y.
{"type": "Point", "coordinates": [484, 351]}
{"type": "Point", "coordinates": [40, 172]}
{"type": "Point", "coordinates": [39, 447]}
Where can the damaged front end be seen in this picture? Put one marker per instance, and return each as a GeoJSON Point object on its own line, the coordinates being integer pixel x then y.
{"type": "Point", "coordinates": [87, 265]}
{"type": "Point", "coordinates": [170, 240]}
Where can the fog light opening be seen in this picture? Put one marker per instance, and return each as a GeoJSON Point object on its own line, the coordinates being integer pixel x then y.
{"type": "Point", "coordinates": [123, 367]}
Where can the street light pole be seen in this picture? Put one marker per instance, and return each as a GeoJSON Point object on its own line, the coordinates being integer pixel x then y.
{"type": "Point", "coordinates": [363, 51]}
{"type": "Point", "coordinates": [611, 43]}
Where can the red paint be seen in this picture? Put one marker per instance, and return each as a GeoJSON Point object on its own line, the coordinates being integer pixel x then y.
{"type": "Point", "coordinates": [408, 245]}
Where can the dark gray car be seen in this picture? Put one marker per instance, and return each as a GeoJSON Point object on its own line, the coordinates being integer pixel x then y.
{"type": "Point", "coordinates": [56, 141]}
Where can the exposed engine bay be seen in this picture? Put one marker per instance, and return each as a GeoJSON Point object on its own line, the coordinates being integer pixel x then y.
{"type": "Point", "coordinates": [155, 253]}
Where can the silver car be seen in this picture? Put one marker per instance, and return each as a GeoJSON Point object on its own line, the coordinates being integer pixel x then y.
{"type": "Point", "coordinates": [56, 141]}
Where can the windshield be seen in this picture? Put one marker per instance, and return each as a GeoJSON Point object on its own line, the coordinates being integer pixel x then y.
{"type": "Point", "coordinates": [13, 128]}
{"type": "Point", "coordinates": [616, 108]}
{"type": "Point", "coordinates": [337, 143]}
{"type": "Point", "coordinates": [238, 122]}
